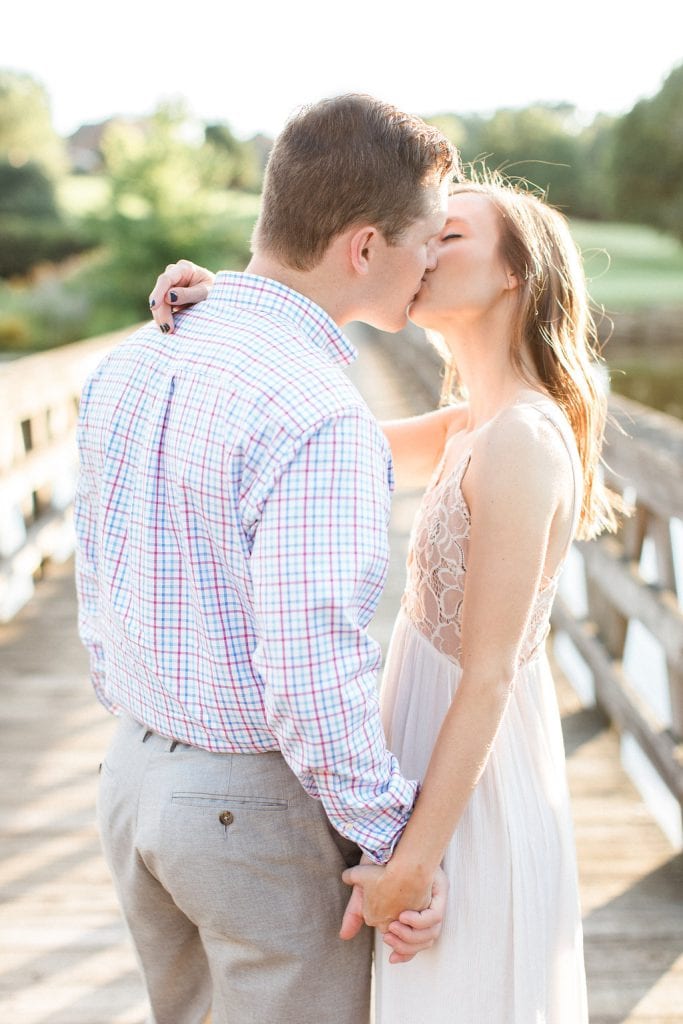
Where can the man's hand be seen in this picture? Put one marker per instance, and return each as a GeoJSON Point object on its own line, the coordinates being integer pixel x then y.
{"type": "Point", "coordinates": [181, 284]}
{"type": "Point", "coordinates": [412, 932]}
{"type": "Point", "coordinates": [353, 920]}
{"type": "Point", "coordinates": [416, 930]}
{"type": "Point", "coordinates": [387, 893]}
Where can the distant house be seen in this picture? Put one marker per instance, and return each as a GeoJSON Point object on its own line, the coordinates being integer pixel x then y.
{"type": "Point", "coordinates": [84, 147]}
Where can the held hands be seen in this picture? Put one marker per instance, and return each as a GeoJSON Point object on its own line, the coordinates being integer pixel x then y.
{"type": "Point", "coordinates": [377, 898]}
{"type": "Point", "coordinates": [181, 284]}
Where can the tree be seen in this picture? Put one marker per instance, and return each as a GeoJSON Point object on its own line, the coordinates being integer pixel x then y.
{"type": "Point", "coordinates": [32, 228]}
{"type": "Point", "coordinates": [538, 143]}
{"type": "Point", "coordinates": [231, 163]}
{"type": "Point", "coordinates": [647, 160]}
{"type": "Point", "coordinates": [26, 131]}
{"type": "Point", "coordinates": [596, 145]}
{"type": "Point", "coordinates": [160, 173]}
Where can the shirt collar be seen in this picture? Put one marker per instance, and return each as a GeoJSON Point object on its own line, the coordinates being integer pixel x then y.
{"type": "Point", "coordinates": [275, 299]}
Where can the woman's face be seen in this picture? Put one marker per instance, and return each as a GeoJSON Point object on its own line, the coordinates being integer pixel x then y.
{"type": "Point", "coordinates": [470, 277]}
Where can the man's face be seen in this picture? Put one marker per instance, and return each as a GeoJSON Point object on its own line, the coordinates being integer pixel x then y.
{"type": "Point", "coordinates": [399, 268]}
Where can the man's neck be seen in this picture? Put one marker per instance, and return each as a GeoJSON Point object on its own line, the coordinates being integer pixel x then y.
{"type": "Point", "coordinates": [314, 284]}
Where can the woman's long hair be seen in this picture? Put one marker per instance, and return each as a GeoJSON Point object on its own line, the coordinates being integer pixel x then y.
{"type": "Point", "coordinates": [555, 326]}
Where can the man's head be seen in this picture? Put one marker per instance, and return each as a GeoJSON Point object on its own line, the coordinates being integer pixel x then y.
{"type": "Point", "coordinates": [341, 162]}
{"type": "Point", "coordinates": [358, 170]}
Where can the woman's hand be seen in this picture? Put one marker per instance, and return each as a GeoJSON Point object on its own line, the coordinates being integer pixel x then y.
{"type": "Point", "coordinates": [181, 284]}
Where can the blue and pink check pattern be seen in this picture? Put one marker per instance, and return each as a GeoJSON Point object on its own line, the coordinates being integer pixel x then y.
{"type": "Point", "coordinates": [231, 520]}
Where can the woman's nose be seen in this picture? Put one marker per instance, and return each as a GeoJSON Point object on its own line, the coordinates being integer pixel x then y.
{"type": "Point", "coordinates": [432, 256]}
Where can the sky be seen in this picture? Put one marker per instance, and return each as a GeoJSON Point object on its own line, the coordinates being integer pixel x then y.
{"type": "Point", "coordinates": [251, 63]}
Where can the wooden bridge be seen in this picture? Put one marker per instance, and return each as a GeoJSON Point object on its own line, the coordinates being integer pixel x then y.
{"type": "Point", "coordinates": [64, 957]}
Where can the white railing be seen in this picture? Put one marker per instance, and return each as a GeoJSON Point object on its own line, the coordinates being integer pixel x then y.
{"type": "Point", "coordinates": [39, 397]}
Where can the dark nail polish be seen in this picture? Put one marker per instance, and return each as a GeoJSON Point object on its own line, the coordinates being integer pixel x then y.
{"type": "Point", "coordinates": [152, 304]}
{"type": "Point", "coordinates": [164, 328]}
{"type": "Point", "coordinates": [173, 296]}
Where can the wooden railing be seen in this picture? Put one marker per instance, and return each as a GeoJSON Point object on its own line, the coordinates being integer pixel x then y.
{"type": "Point", "coordinates": [617, 581]}
{"type": "Point", "coordinates": [38, 411]}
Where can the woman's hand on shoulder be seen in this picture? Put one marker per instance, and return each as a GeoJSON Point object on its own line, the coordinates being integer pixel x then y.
{"type": "Point", "coordinates": [182, 284]}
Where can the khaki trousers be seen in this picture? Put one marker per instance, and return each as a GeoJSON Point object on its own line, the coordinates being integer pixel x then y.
{"type": "Point", "coordinates": [228, 874]}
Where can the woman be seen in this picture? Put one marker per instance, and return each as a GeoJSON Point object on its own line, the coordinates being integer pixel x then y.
{"type": "Point", "coordinates": [468, 699]}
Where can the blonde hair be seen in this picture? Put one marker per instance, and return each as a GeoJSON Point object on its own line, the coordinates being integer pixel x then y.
{"type": "Point", "coordinates": [555, 326]}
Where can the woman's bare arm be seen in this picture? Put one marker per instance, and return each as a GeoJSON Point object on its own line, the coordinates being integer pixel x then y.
{"type": "Point", "coordinates": [417, 442]}
{"type": "Point", "coordinates": [515, 485]}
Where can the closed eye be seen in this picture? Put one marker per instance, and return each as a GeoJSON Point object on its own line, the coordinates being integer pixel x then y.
{"type": "Point", "coordinates": [447, 237]}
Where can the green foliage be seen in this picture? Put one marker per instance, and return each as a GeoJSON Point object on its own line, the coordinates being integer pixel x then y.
{"type": "Point", "coordinates": [594, 170]}
{"type": "Point", "coordinates": [29, 241]}
{"type": "Point", "coordinates": [539, 144]}
{"type": "Point", "coordinates": [83, 195]}
{"type": "Point", "coordinates": [159, 175]}
{"type": "Point", "coordinates": [232, 164]}
{"type": "Point", "coordinates": [32, 228]}
{"type": "Point", "coordinates": [543, 144]}
{"type": "Point", "coordinates": [26, 132]}
{"type": "Point", "coordinates": [40, 315]}
{"type": "Point", "coordinates": [26, 191]}
{"type": "Point", "coordinates": [647, 162]}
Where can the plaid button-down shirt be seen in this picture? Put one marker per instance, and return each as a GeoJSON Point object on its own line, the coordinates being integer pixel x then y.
{"type": "Point", "coordinates": [231, 520]}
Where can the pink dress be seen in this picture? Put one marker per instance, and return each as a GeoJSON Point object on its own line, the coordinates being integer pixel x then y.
{"type": "Point", "coordinates": [511, 950]}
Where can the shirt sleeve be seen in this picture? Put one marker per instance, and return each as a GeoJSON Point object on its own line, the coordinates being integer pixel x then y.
{"type": "Point", "coordinates": [85, 523]}
{"type": "Point", "coordinates": [318, 565]}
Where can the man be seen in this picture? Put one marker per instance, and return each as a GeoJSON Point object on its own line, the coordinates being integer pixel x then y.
{"type": "Point", "coordinates": [231, 519]}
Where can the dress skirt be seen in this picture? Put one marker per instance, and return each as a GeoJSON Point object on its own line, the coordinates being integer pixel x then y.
{"type": "Point", "coordinates": [511, 949]}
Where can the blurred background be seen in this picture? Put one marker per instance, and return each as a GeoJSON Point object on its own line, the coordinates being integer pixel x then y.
{"type": "Point", "coordinates": [128, 143]}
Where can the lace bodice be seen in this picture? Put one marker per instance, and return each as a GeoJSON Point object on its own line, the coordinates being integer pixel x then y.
{"type": "Point", "coordinates": [437, 559]}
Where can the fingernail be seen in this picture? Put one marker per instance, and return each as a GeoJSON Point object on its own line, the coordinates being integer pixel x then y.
{"type": "Point", "coordinates": [152, 303]}
{"type": "Point", "coordinates": [165, 328]}
{"type": "Point", "coordinates": [173, 296]}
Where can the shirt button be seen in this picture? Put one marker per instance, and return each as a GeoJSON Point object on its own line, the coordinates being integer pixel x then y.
{"type": "Point", "coordinates": [226, 817]}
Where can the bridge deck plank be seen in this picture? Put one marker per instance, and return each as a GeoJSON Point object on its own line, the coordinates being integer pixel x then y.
{"type": "Point", "coordinates": [64, 957]}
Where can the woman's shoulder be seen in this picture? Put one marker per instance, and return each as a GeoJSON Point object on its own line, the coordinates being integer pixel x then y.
{"type": "Point", "coordinates": [535, 422]}
{"type": "Point", "coordinates": [526, 443]}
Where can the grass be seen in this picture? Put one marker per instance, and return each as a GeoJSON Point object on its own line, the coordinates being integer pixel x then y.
{"type": "Point", "coordinates": [630, 267]}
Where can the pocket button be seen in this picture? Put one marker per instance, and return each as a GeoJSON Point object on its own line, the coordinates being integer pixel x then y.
{"type": "Point", "coordinates": [226, 818]}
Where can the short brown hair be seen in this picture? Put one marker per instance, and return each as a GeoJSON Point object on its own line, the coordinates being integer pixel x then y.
{"type": "Point", "coordinates": [344, 161]}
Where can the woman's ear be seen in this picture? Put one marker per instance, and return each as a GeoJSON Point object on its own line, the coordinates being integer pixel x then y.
{"type": "Point", "coordinates": [361, 243]}
{"type": "Point", "coordinates": [512, 280]}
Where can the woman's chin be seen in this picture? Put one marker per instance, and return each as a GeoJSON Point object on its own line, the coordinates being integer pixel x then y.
{"type": "Point", "coordinates": [416, 314]}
